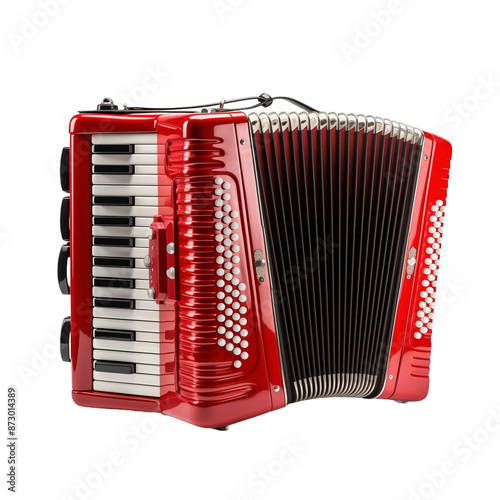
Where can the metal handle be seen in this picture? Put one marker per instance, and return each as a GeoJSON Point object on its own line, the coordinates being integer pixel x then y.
{"type": "Point", "coordinates": [264, 100]}
{"type": "Point", "coordinates": [64, 219]}
{"type": "Point", "coordinates": [62, 270]}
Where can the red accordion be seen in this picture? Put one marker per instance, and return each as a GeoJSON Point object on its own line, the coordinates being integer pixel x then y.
{"type": "Point", "coordinates": [224, 263]}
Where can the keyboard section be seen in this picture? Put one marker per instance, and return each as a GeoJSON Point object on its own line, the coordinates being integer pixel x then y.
{"type": "Point", "coordinates": [126, 331]}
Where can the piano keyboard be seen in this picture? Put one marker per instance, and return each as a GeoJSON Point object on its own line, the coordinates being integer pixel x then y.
{"type": "Point", "coordinates": [126, 336]}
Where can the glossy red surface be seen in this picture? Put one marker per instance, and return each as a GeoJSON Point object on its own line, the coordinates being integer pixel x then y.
{"type": "Point", "coordinates": [199, 380]}
{"type": "Point", "coordinates": [80, 262]}
{"type": "Point", "coordinates": [98, 123]}
{"type": "Point", "coordinates": [409, 361]}
{"type": "Point", "coordinates": [208, 389]}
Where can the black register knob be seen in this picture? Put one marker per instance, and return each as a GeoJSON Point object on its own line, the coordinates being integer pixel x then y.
{"type": "Point", "coordinates": [65, 339]}
{"type": "Point", "coordinates": [62, 270]}
{"type": "Point", "coordinates": [64, 218]}
{"type": "Point", "coordinates": [64, 170]}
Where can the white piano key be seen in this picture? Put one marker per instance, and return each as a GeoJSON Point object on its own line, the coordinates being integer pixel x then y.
{"type": "Point", "coordinates": [120, 272]}
{"type": "Point", "coordinates": [147, 337]}
{"type": "Point", "coordinates": [105, 190]}
{"type": "Point", "coordinates": [130, 346]}
{"type": "Point", "coordinates": [149, 369]}
{"type": "Point", "coordinates": [146, 149]}
{"type": "Point", "coordinates": [143, 221]}
{"type": "Point", "coordinates": [120, 293]}
{"type": "Point", "coordinates": [136, 390]}
{"type": "Point", "coordinates": [133, 314]}
{"type": "Point", "coordinates": [131, 357]}
{"type": "Point", "coordinates": [132, 378]}
{"type": "Point", "coordinates": [125, 180]}
{"type": "Point", "coordinates": [140, 170]}
{"type": "Point", "coordinates": [149, 201]}
{"type": "Point", "coordinates": [124, 138]}
{"type": "Point", "coordinates": [126, 232]}
{"type": "Point", "coordinates": [147, 304]}
{"type": "Point", "coordinates": [139, 263]}
{"type": "Point", "coordinates": [117, 324]}
{"type": "Point", "coordinates": [136, 253]}
{"type": "Point", "coordinates": [124, 159]}
{"type": "Point", "coordinates": [138, 294]}
{"type": "Point", "coordinates": [142, 243]}
{"type": "Point", "coordinates": [142, 284]}
{"type": "Point", "coordinates": [124, 211]}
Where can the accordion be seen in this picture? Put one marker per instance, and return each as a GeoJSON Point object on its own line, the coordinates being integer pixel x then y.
{"type": "Point", "coordinates": [224, 263]}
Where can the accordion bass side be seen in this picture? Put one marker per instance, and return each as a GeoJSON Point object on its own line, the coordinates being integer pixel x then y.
{"type": "Point", "coordinates": [226, 264]}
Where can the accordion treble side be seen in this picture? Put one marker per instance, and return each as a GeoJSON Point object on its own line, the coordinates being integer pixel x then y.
{"type": "Point", "coordinates": [224, 265]}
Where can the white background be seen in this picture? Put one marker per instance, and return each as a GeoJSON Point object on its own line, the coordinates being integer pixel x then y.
{"type": "Point", "coordinates": [426, 67]}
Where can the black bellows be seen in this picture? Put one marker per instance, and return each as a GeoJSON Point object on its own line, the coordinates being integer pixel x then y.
{"type": "Point", "coordinates": [336, 195]}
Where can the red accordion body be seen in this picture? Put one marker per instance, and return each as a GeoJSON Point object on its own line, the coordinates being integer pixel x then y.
{"type": "Point", "coordinates": [224, 265]}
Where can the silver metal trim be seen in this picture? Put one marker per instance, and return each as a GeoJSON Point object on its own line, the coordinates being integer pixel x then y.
{"type": "Point", "coordinates": [361, 123]}
{"type": "Point", "coordinates": [323, 120]}
{"type": "Point", "coordinates": [333, 120]}
{"type": "Point", "coordinates": [253, 120]}
{"type": "Point", "coordinates": [313, 121]}
{"type": "Point", "coordinates": [259, 264]}
{"type": "Point", "coordinates": [304, 121]}
{"type": "Point", "coordinates": [275, 122]}
{"type": "Point", "coordinates": [294, 121]}
{"type": "Point", "coordinates": [284, 121]}
{"type": "Point", "coordinates": [370, 124]}
{"type": "Point", "coordinates": [265, 123]}
{"type": "Point", "coordinates": [411, 262]}
{"type": "Point", "coordinates": [342, 121]}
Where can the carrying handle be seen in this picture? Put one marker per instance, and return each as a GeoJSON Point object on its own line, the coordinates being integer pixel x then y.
{"type": "Point", "coordinates": [64, 218]}
{"type": "Point", "coordinates": [264, 100]}
{"type": "Point", "coordinates": [62, 270]}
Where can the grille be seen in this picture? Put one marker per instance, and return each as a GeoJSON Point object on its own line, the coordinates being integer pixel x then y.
{"type": "Point", "coordinates": [336, 194]}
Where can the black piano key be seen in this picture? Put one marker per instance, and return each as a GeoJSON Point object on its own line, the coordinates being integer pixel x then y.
{"type": "Point", "coordinates": [106, 241]}
{"type": "Point", "coordinates": [106, 334]}
{"type": "Point", "coordinates": [114, 221]}
{"type": "Point", "coordinates": [114, 169]}
{"type": "Point", "coordinates": [114, 367]}
{"type": "Point", "coordinates": [114, 262]}
{"type": "Point", "coordinates": [114, 200]}
{"type": "Point", "coordinates": [114, 303]}
{"type": "Point", "coordinates": [114, 282]}
{"type": "Point", "coordinates": [122, 149]}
